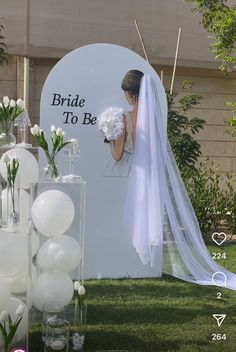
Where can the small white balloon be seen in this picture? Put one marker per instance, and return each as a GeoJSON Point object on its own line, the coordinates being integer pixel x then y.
{"type": "Point", "coordinates": [52, 286]}
{"type": "Point", "coordinates": [11, 308]}
{"type": "Point", "coordinates": [4, 293]}
{"type": "Point", "coordinates": [13, 254]}
{"type": "Point", "coordinates": [52, 212]}
{"type": "Point", "coordinates": [61, 253]}
{"type": "Point", "coordinates": [28, 166]}
{"type": "Point", "coordinates": [24, 205]}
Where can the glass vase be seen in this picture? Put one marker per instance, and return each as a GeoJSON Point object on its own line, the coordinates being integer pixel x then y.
{"type": "Point", "coordinates": [50, 171]}
{"type": "Point", "coordinates": [7, 138]}
{"type": "Point", "coordinates": [57, 336]}
{"type": "Point", "coordinates": [80, 320]}
{"type": "Point", "coordinates": [13, 205]}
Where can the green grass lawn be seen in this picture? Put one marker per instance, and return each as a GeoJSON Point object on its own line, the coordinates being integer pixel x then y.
{"type": "Point", "coordinates": [152, 315]}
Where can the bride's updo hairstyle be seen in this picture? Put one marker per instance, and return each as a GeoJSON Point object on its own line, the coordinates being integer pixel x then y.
{"type": "Point", "coordinates": [131, 83]}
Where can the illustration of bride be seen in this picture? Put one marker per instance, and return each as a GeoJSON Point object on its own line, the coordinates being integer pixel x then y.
{"type": "Point", "coordinates": [122, 148]}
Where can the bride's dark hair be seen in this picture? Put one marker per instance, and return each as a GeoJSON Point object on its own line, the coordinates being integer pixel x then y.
{"type": "Point", "coordinates": [131, 82]}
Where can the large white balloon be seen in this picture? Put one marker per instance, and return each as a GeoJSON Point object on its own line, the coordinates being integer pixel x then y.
{"type": "Point", "coordinates": [13, 254]}
{"type": "Point", "coordinates": [28, 166]}
{"type": "Point", "coordinates": [52, 212]}
{"type": "Point", "coordinates": [11, 307]}
{"type": "Point", "coordinates": [61, 253]}
{"type": "Point", "coordinates": [24, 205]}
{"type": "Point", "coordinates": [4, 293]}
{"type": "Point", "coordinates": [52, 286]}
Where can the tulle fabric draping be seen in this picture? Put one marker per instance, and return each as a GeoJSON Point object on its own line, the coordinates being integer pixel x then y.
{"type": "Point", "coordinates": [164, 228]}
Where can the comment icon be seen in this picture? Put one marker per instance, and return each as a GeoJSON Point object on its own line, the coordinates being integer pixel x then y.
{"type": "Point", "coordinates": [219, 279]}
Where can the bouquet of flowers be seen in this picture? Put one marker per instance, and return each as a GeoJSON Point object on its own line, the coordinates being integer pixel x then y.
{"type": "Point", "coordinates": [9, 109]}
{"type": "Point", "coordinates": [111, 123]}
{"type": "Point", "coordinates": [12, 165]}
{"type": "Point", "coordinates": [58, 143]}
{"type": "Point", "coordinates": [8, 328]}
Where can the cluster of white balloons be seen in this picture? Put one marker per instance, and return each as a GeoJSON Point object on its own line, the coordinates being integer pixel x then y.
{"type": "Point", "coordinates": [14, 246]}
{"type": "Point", "coordinates": [52, 214]}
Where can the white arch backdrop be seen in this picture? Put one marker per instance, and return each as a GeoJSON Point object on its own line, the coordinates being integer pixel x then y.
{"type": "Point", "coordinates": [81, 86]}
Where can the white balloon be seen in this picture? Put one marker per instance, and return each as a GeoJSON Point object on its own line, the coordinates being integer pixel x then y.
{"type": "Point", "coordinates": [52, 212]}
{"type": "Point", "coordinates": [61, 253]}
{"type": "Point", "coordinates": [52, 286]}
{"type": "Point", "coordinates": [22, 329]}
{"type": "Point", "coordinates": [13, 254]}
{"type": "Point", "coordinates": [28, 166]}
{"type": "Point", "coordinates": [24, 205]}
{"type": "Point", "coordinates": [4, 293]}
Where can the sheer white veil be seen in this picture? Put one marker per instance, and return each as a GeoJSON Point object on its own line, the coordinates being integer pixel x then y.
{"type": "Point", "coordinates": [164, 228]}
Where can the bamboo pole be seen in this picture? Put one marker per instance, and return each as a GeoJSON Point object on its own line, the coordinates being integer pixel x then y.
{"type": "Point", "coordinates": [141, 40]}
{"type": "Point", "coordinates": [162, 76]}
{"type": "Point", "coordinates": [176, 57]}
{"type": "Point", "coordinates": [26, 82]}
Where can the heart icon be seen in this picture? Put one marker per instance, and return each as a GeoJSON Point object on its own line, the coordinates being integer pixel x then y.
{"type": "Point", "coordinates": [219, 237]}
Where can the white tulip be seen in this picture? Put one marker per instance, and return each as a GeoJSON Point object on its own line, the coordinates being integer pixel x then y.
{"type": "Point", "coordinates": [3, 316]}
{"type": "Point", "coordinates": [20, 310]}
{"type": "Point", "coordinates": [12, 103]}
{"type": "Point", "coordinates": [6, 101]}
{"type": "Point", "coordinates": [20, 103]}
{"type": "Point", "coordinates": [59, 132]}
{"type": "Point", "coordinates": [76, 285]}
{"type": "Point", "coordinates": [1, 105]}
{"type": "Point", "coordinates": [35, 130]}
{"type": "Point", "coordinates": [5, 158]}
{"type": "Point", "coordinates": [53, 128]}
{"type": "Point", "coordinates": [63, 133]}
{"type": "Point", "coordinates": [81, 290]}
{"type": "Point", "coordinates": [11, 161]}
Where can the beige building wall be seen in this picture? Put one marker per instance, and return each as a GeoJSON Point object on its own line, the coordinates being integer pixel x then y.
{"type": "Point", "coordinates": [215, 88]}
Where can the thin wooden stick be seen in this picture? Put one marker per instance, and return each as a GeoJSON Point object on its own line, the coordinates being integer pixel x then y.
{"type": "Point", "coordinates": [162, 76]}
{"type": "Point", "coordinates": [26, 82]}
{"type": "Point", "coordinates": [141, 40]}
{"type": "Point", "coordinates": [176, 57]}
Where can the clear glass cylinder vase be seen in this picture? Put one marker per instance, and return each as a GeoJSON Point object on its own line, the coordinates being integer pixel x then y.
{"type": "Point", "coordinates": [13, 205]}
{"type": "Point", "coordinates": [50, 171]}
{"type": "Point", "coordinates": [7, 138]}
{"type": "Point", "coordinates": [80, 321]}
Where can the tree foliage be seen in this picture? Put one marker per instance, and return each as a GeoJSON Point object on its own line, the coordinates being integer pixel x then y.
{"type": "Point", "coordinates": [181, 128]}
{"type": "Point", "coordinates": [3, 47]}
{"type": "Point", "coordinates": [219, 19]}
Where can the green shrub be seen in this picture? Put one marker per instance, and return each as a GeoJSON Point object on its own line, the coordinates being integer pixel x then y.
{"type": "Point", "coordinates": [215, 206]}
{"type": "Point", "coordinates": [181, 128]}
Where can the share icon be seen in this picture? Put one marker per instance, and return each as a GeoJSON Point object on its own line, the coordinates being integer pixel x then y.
{"type": "Point", "coordinates": [219, 318]}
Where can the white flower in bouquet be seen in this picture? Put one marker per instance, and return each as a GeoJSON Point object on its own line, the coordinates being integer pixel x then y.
{"type": "Point", "coordinates": [80, 294]}
{"type": "Point", "coordinates": [20, 310]}
{"type": "Point", "coordinates": [6, 101]}
{"type": "Point", "coordinates": [76, 285]}
{"type": "Point", "coordinates": [111, 123]}
{"type": "Point", "coordinates": [12, 103]}
{"type": "Point", "coordinates": [81, 290]}
{"type": "Point", "coordinates": [20, 103]}
{"type": "Point", "coordinates": [9, 109]}
{"type": "Point", "coordinates": [3, 316]}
